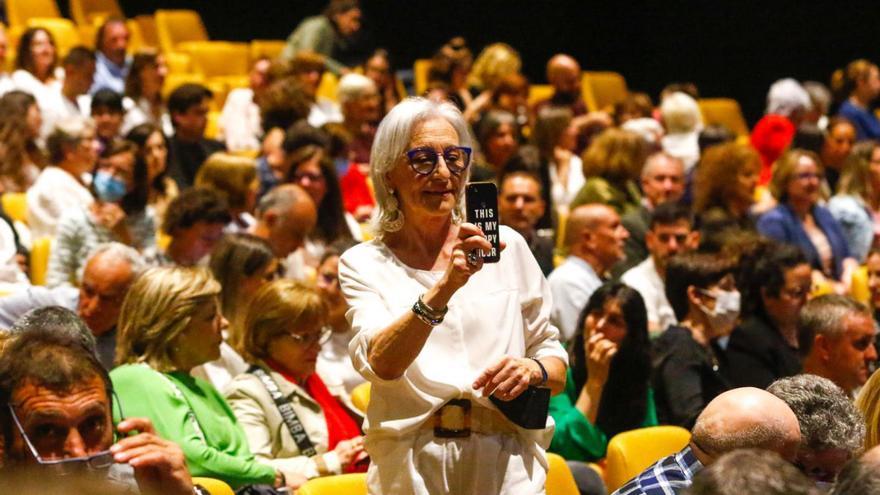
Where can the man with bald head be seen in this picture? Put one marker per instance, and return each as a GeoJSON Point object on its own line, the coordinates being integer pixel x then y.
{"type": "Point", "coordinates": [285, 216]}
{"type": "Point", "coordinates": [594, 240]}
{"type": "Point", "coordinates": [741, 418]}
{"type": "Point", "coordinates": [564, 74]}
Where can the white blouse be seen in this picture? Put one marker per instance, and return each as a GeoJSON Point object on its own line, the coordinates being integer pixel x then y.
{"type": "Point", "coordinates": [54, 192]}
{"type": "Point", "coordinates": [48, 96]}
{"type": "Point", "coordinates": [563, 195]}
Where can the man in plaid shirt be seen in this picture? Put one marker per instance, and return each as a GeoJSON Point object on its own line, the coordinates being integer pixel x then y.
{"type": "Point", "coordinates": [737, 419]}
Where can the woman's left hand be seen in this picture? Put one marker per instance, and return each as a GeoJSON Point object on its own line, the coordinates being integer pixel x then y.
{"type": "Point", "coordinates": [508, 377]}
{"type": "Point", "coordinates": [109, 215]}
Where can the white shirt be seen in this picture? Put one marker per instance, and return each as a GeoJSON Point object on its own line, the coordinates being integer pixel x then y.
{"type": "Point", "coordinates": [684, 146]}
{"type": "Point", "coordinates": [54, 192]}
{"type": "Point", "coordinates": [240, 125]}
{"type": "Point", "coordinates": [324, 111]}
{"type": "Point", "coordinates": [334, 366]}
{"type": "Point", "coordinates": [645, 279]}
{"type": "Point", "coordinates": [504, 309]}
{"type": "Point", "coordinates": [48, 96]}
{"type": "Point", "coordinates": [140, 112]}
{"type": "Point", "coordinates": [572, 284]}
{"type": "Point", "coordinates": [563, 195]}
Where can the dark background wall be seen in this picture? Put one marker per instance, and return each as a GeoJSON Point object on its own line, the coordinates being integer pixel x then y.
{"type": "Point", "coordinates": [728, 48]}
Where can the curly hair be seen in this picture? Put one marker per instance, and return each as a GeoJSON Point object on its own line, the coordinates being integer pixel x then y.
{"type": "Point", "coordinates": [616, 155]}
{"type": "Point", "coordinates": [716, 176]}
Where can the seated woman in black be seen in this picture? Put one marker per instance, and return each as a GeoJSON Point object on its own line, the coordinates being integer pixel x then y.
{"type": "Point", "coordinates": [686, 358]}
{"type": "Point", "coordinates": [764, 347]}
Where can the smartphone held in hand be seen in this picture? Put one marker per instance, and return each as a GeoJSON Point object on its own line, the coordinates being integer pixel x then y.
{"type": "Point", "coordinates": [481, 199]}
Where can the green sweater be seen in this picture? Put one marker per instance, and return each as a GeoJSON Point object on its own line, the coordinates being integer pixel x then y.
{"type": "Point", "coordinates": [214, 444]}
{"type": "Point", "coordinates": [575, 438]}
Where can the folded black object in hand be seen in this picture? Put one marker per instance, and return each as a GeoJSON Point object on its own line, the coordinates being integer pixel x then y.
{"type": "Point", "coordinates": [529, 410]}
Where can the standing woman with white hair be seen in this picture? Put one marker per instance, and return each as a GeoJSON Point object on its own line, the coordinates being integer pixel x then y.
{"type": "Point", "coordinates": [683, 122]}
{"type": "Point", "coordinates": [437, 331]}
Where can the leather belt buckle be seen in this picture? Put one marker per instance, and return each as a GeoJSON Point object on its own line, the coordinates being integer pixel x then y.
{"type": "Point", "coordinates": [453, 419]}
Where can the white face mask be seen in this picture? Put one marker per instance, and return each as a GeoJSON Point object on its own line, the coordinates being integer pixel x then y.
{"type": "Point", "coordinates": [726, 312]}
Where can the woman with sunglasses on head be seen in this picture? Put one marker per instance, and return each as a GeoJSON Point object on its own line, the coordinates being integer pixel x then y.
{"type": "Point", "coordinates": [282, 335]}
{"type": "Point", "coordinates": [437, 331]}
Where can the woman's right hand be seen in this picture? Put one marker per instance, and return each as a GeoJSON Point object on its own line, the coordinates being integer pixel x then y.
{"type": "Point", "coordinates": [599, 352]}
{"type": "Point", "coordinates": [349, 451]}
{"type": "Point", "coordinates": [459, 271]}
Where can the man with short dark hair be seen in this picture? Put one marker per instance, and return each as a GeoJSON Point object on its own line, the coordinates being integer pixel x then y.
{"type": "Point", "coordinates": [56, 414]}
{"type": "Point", "coordinates": [79, 72]}
{"type": "Point", "coordinates": [188, 148]}
{"type": "Point", "coordinates": [112, 60]}
{"type": "Point", "coordinates": [108, 113]}
{"type": "Point", "coordinates": [194, 221]}
{"type": "Point", "coordinates": [520, 207]}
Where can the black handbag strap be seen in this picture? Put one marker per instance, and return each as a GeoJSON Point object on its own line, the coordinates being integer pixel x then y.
{"type": "Point", "coordinates": [289, 416]}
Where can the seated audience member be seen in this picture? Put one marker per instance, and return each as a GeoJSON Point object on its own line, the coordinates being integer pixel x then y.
{"type": "Point", "coordinates": [188, 147]}
{"type": "Point", "coordinates": [334, 364]}
{"type": "Point", "coordinates": [79, 71]}
{"type": "Point", "coordinates": [35, 65]}
{"type": "Point", "coordinates": [60, 415]}
{"type": "Point", "coordinates": [498, 137]}
{"type": "Point", "coordinates": [109, 271]}
{"type": "Point", "coordinates": [662, 180]}
{"type": "Point", "coordinates": [868, 403]}
{"type": "Point", "coordinates": [5, 80]}
{"type": "Point", "coordinates": [300, 142]}
{"type": "Point", "coordinates": [820, 98]}
{"type": "Point", "coordinates": [143, 101]}
{"type": "Point", "coordinates": [555, 136]}
{"type": "Point", "coordinates": [520, 206]}
{"type": "Point", "coordinates": [64, 185]}
{"type": "Point", "coordinates": [839, 138]}
{"type": "Point", "coordinates": [20, 157]}
{"type": "Point", "coordinates": [856, 206]}
{"type": "Point", "coordinates": [764, 346]}
{"type": "Point", "coordinates": [234, 178]}
{"type": "Point", "coordinates": [837, 340]}
{"type": "Point", "coordinates": [448, 74]}
{"type": "Point", "coordinates": [285, 216]}
{"type": "Point", "coordinates": [724, 188]}
{"type": "Point", "coordinates": [283, 104]}
{"type": "Point", "coordinates": [860, 476]}
{"type": "Point", "coordinates": [856, 87]}
{"type": "Point", "coordinates": [118, 214]}
{"type": "Point", "coordinates": [564, 74]}
{"type": "Point", "coordinates": [242, 264]}
{"type": "Point", "coordinates": [594, 241]}
{"type": "Point", "coordinates": [738, 419]}
{"type": "Point", "coordinates": [282, 336]}
{"type": "Point", "coordinates": [359, 100]}
{"type": "Point", "coordinates": [307, 68]}
{"type": "Point", "coordinates": [752, 472]}
{"type": "Point", "coordinates": [687, 358]}
{"type": "Point", "coordinates": [683, 122]}
{"type": "Point", "coordinates": [107, 112]}
{"type": "Point", "coordinates": [13, 254]}
{"type": "Point", "coordinates": [239, 123]}
{"type": "Point", "coordinates": [326, 34]}
{"type": "Point", "coordinates": [153, 151]}
{"type": "Point", "coordinates": [114, 64]}
{"type": "Point", "coordinates": [671, 232]}
{"type": "Point", "coordinates": [495, 62]}
{"type": "Point", "coordinates": [608, 387]}
{"type": "Point", "coordinates": [194, 223]}
{"type": "Point", "coordinates": [378, 68]}
{"type": "Point", "coordinates": [612, 166]}
{"type": "Point", "coordinates": [799, 219]}
{"type": "Point", "coordinates": [832, 429]}
{"type": "Point", "coordinates": [170, 323]}
{"type": "Point", "coordinates": [787, 103]}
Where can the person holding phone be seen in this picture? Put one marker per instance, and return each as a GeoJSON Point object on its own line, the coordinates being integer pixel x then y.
{"type": "Point", "coordinates": [437, 330]}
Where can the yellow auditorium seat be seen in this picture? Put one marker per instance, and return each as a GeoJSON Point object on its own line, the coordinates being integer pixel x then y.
{"type": "Point", "coordinates": [343, 484]}
{"type": "Point", "coordinates": [539, 92]}
{"type": "Point", "coordinates": [360, 396]}
{"type": "Point", "coordinates": [149, 32]}
{"type": "Point", "coordinates": [327, 87]}
{"type": "Point", "coordinates": [602, 90]}
{"type": "Point", "coordinates": [18, 12]}
{"type": "Point", "coordinates": [217, 58]}
{"type": "Point", "coordinates": [560, 481]}
{"type": "Point", "coordinates": [40, 260]}
{"type": "Point", "coordinates": [15, 206]}
{"type": "Point", "coordinates": [94, 11]}
{"type": "Point", "coordinates": [64, 32]}
{"type": "Point", "coordinates": [214, 486]}
{"type": "Point", "coordinates": [266, 48]}
{"type": "Point", "coordinates": [179, 26]}
{"type": "Point", "coordinates": [629, 453]}
{"type": "Point", "coordinates": [421, 67]}
{"type": "Point", "coordinates": [859, 288]}
{"type": "Point", "coordinates": [725, 112]}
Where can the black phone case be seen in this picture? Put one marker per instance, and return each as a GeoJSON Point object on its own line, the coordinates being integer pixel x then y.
{"type": "Point", "coordinates": [529, 410]}
{"type": "Point", "coordinates": [481, 199]}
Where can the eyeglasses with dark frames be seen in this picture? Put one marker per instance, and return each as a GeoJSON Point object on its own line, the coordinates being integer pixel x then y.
{"type": "Point", "coordinates": [424, 159]}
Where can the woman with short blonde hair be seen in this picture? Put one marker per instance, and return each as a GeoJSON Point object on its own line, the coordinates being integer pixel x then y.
{"type": "Point", "coordinates": [612, 166]}
{"type": "Point", "coordinates": [868, 402]}
{"type": "Point", "coordinates": [235, 178]}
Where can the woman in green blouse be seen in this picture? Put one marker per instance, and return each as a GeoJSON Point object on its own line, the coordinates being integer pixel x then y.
{"type": "Point", "coordinates": [607, 391]}
{"type": "Point", "coordinates": [169, 323]}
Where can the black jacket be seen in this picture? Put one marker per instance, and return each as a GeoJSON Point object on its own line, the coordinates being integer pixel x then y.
{"type": "Point", "coordinates": [758, 355]}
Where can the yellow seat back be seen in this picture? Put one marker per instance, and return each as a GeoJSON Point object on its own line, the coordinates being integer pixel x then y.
{"type": "Point", "coordinates": [18, 12]}
{"type": "Point", "coordinates": [63, 31]}
{"type": "Point", "coordinates": [179, 26]}
{"type": "Point", "coordinates": [214, 486]}
{"type": "Point", "coordinates": [421, 67]}
{"type": "Point", "coordinates": [328, 87]}
{"type": "Point", "coordinates": [560, 481]}
{"type": "Point", "coordinates": [40, 251]}
{"type": "Point", "coordinates": [602, 90]}
{"type": "Point", "coordinates": [148, 31]}
{"type": "Point", "coordinates": [360, 396]}
{"type": "Point", "coordinates": [725, 112]}
{"type": "Point", "coordinates": [631, 452]}
{"type": "Point", "coordinates": [539, 92]}
{"type": "Point", "coordinates": [266, 48]}
{"type": "Point", "coordinates": [90, 11]}
{"type": "Point", "coordinates": [217, 58]}
{"type": "Point", "coordinates": [859, 288]}
{"type": "Point", "coordinates": [343, 484]}
{"type": "Point", "coordinates": [15, 206]}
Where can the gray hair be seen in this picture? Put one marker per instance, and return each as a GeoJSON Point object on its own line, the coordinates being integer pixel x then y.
{"type": "Point", "coordinates": [859, 476]}
{"type": "Point", "coordinates": [123, 252]}
{"type": "Point", "coordinates": [751, 472]}
{"type": "Point", "coordinates": [827, 417]}
{"type": "Point", "coordinates": [389, 145]}
{"type": "Point", "coordinates": [787, 97]}
{"type": "Point", "coordinates": [353, 86]}
{"type": "Point", "coordinates": [66, 133]}
{"type": "Point", "coordinates": [57, 320]}
{"type": "Point", "coordinates": [656, 157]}
{"type": "Point", "coordinates": [280, 198]}
{"type": "Point", "coordinates": [681, 113]}
{"type": "Point", "coordinates": [820, 95]}
{"type": "Point", "coordinates": [826, 315]}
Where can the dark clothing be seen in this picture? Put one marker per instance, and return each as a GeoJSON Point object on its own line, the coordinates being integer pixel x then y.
{"type": "Point", "coordinates": [686, 376]}
{"type": "Point", "coordinates": [758, 355]}
{"type": "Point", "coordinates": [636, 223]}
{"type": "Point", "coordinates": [185, 158]}
{"type": "Point", "coordinates": [542, 247]}
{"type": "Point", "coordinates": [715, 220]}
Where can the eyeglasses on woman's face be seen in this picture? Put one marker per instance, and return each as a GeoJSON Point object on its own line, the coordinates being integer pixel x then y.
{"type": "Point", "coordinates": [424, 159]}
{"type": "Point", "coordinates": [320, 337]}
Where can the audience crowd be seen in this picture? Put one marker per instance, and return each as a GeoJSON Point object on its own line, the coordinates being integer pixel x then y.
{"type": "Point", "coordinates": [213, 299]}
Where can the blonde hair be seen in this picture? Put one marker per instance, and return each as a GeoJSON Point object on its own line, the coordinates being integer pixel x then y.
{"type": "Point", "coordinates": [844, 81]}
{"type": "Point", "coordinates": [616, 156]}
{"type": "Point", "coordinates": [494, 63]}
{"type": "Point", "coordinates": [855, 179]}
{"type": "Point", "coordinates": [159, 306]}
{"type": "Point", "coordinates": [277, 308]}
{"type": "Point", "coordinates": [784, 171]}
{"type": "Point", "coordinates": [230, 175]}
{"type": "Point", "coordinates": [868, 402]}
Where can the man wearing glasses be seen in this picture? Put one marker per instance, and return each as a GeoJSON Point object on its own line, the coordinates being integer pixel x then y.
{"type": "Point", "coordinates": [56, 418]}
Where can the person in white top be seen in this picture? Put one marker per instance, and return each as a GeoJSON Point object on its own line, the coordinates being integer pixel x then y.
{"type": "Point", "coordinates": [36, 63]}
{"type": "Point", "coordinates": [79, 70]}
{"type": "Point", "coordinates": [555, 135]}
{"type": "Point", "coordinates": [683, 122]}
{"type": "Point", "coordinates": [64, 185]}
{"type": "Point", "coordinates": [437, 331]}
{"type": "Point", "coordinates": [6, 83]}
{"type": "Point", "coordinates": [671, 232]}
{"type": "Point", "coordinates": [143, 100]}
{"type": "Point", "coordinates": [308, 68]}
{"type": "Point", "coordinates": [240, 125]}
